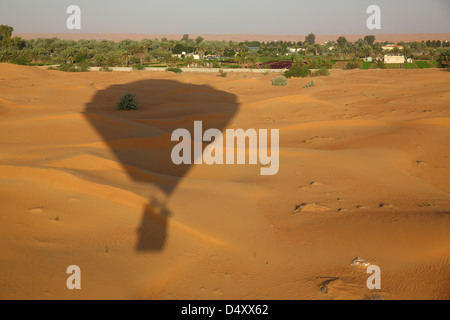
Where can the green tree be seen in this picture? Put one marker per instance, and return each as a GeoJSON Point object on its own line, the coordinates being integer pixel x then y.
{"type": "Point", "coordinates": [140, 51]}
{"type": "Point", "coordinates": [366, 50]}
{"type": "Point", "coordinates": [342, 42]}
{"type": "Point", "coordinates": [370, 40]}
{"type": "Point", "coordinates": [297, 60]}
{"type": "Point", "coordinates": [169, 59]}
{"type": "Point", "coordinates": [5, 35]}
{"type": "Point", "coordinates": [100, 57]}
{"type": "Point", "coordinates": [189, 60]}
{"type": "Point", "coordinates": [310, 38]}
{"type": "Point", "coordinates": [395, 51]}
{"type": "Point", "coordinates": [242, 58]}
{"type": "Point", "coordinates": [444, 59]}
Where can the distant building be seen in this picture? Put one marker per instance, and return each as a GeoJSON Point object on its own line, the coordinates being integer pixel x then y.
{"type": "Point", "coordinates": [295, 50]}
{"type": "Point", "coordinates": [211, 57]}
{"type": "Point", "coordinates": [369, 59]}
{"type": "Point", "coordinates": [390, 47]}
{"type": "Point", "coordinates": [394, 59]}
{"type": "Point", "coordinates": [253, 48]}
{"type": "Point", "coordinates": [184, 54]}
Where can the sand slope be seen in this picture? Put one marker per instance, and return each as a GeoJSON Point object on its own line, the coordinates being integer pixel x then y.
{"type": "Point", "coordinates": [364, 172]}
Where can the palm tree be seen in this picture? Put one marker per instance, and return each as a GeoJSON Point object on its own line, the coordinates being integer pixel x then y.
{"type": "Point", "coordinates": [395, 51]}
{"type": "Point", "coordinates": [201, 48]}
{"type": "Point", "coordinates": [366, 50]}
{"type": "Point", "coordinates": [169, 59]}
{"type": "Point", "coordinates": [347, 50]}
{"type": "Point", "coordinates": [189, 60]}
{"type": "Point", "coordinates": [100, 58]}
{"type": "Point", "coordinates": [253, 61]}
{"type": "Point", "coordinates": [297, 60]}
{"type": "Point", "coordinates": [219, 49]}
{"type": "Point", "coordinates": [140, 51]}
{"type": "Point", "coordinates": [68, 55]}
{"type": "Point", "coordinates": [242, 58]}
{"type": "Point", "coordinates": [122, 56]}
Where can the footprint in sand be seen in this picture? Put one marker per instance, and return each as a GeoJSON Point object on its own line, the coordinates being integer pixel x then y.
{"type": "Point", "coordinates": [341, 288]}
{"type": "Point", "coordinates": [310, 207]}
{"type": "Point", "coordinates": [40, 209]}
{"type": "Point", "coordinates": [311, 184]}
{"type": "Point", "coordinates": [360, 262]}
{"type": "Point", "coordinates": [317, 140]}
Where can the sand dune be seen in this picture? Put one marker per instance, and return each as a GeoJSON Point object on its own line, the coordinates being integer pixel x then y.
{"type": "Point", "coordinates": [364, 172]}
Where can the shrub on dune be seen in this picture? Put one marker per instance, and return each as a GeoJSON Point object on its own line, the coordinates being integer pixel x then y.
{"type": "Point", "coordinates": [105, 69]}
{"type": "Point", "coordinates": [320, 72]}
{"type": "Point", "coordinates": [222, 73]}
{"type": "Point", "coordinates": [127, 102]}
{"type": "Point", "coordinates": [297, 72]}
{"type": "Point", "coordinates": [280, 81]}
{"type": "Point", "coordinates": [312, 83]}
{"type": "Point", "coordinates": [353, 64]}
{"type": "Point", "coordinates": [176, 70]}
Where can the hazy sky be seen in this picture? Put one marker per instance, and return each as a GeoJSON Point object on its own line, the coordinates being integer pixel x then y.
{"type": "Point", "coordinates": [287, 17]}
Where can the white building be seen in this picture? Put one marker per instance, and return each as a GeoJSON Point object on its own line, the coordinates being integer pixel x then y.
{"type": "Point", "coordinates": [390, 47]}
{"type": "Point", "coordinates": [295, 50]}
{"type": "Point", "coordinates": [184, 54]}
{"type": "Point", "coordinates": [394, 59]}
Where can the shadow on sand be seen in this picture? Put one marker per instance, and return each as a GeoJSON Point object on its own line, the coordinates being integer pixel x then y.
{"type": "Point", "coordinates": [141, 140]}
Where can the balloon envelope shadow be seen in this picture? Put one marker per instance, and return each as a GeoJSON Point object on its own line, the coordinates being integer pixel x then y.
{"type": "Point", "coordinates": [141, 139]}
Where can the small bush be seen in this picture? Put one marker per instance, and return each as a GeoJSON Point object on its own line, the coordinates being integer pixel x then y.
{"type": "Point", "coordinates": [69, 67]}
{"type": "Point", "coordinates": [20, 61]}
{"type": "Point", "coordinates": [324, 64]}
{"type": "Point", "coordinates": [127, 102]}
{"type": "Point", "coordinates": [353, 64]}
{"type": "Point", "coordinates": [297, 72]}
{"type": "Point", "coordinates": [444, 59]}
{"type": "Point", "coordinates": [266, 73]}
{"type": "Point", "coordinates": [280, 81]}
{"type": "Point", "coordinates": [105, 69]}
{"type": "Point", "coordinates": [52, 68]}
{"type": "Point", "coordinates": [320, 72]}
{"type": "Point", "coordinates": [312, 83]}
{"type": "Point", "coordinates": [380, 64]}
{"type": "Point", "coordinates": [176, 70]}
{"type": "Point", "coordinates": [138, 67]}
{"type": "Point", "coordinates": [83, 67]}
{"type": "Point", "coordinates": [222, 73]}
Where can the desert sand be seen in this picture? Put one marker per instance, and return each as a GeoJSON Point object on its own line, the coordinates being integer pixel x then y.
{"type": "Point", "coordinates": [320, 38]}
{"type": "Point", "coordinates": [364, 172]}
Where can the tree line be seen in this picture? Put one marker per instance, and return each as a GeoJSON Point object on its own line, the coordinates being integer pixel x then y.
{"type": "Point", "coordinates": [48, 51]}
